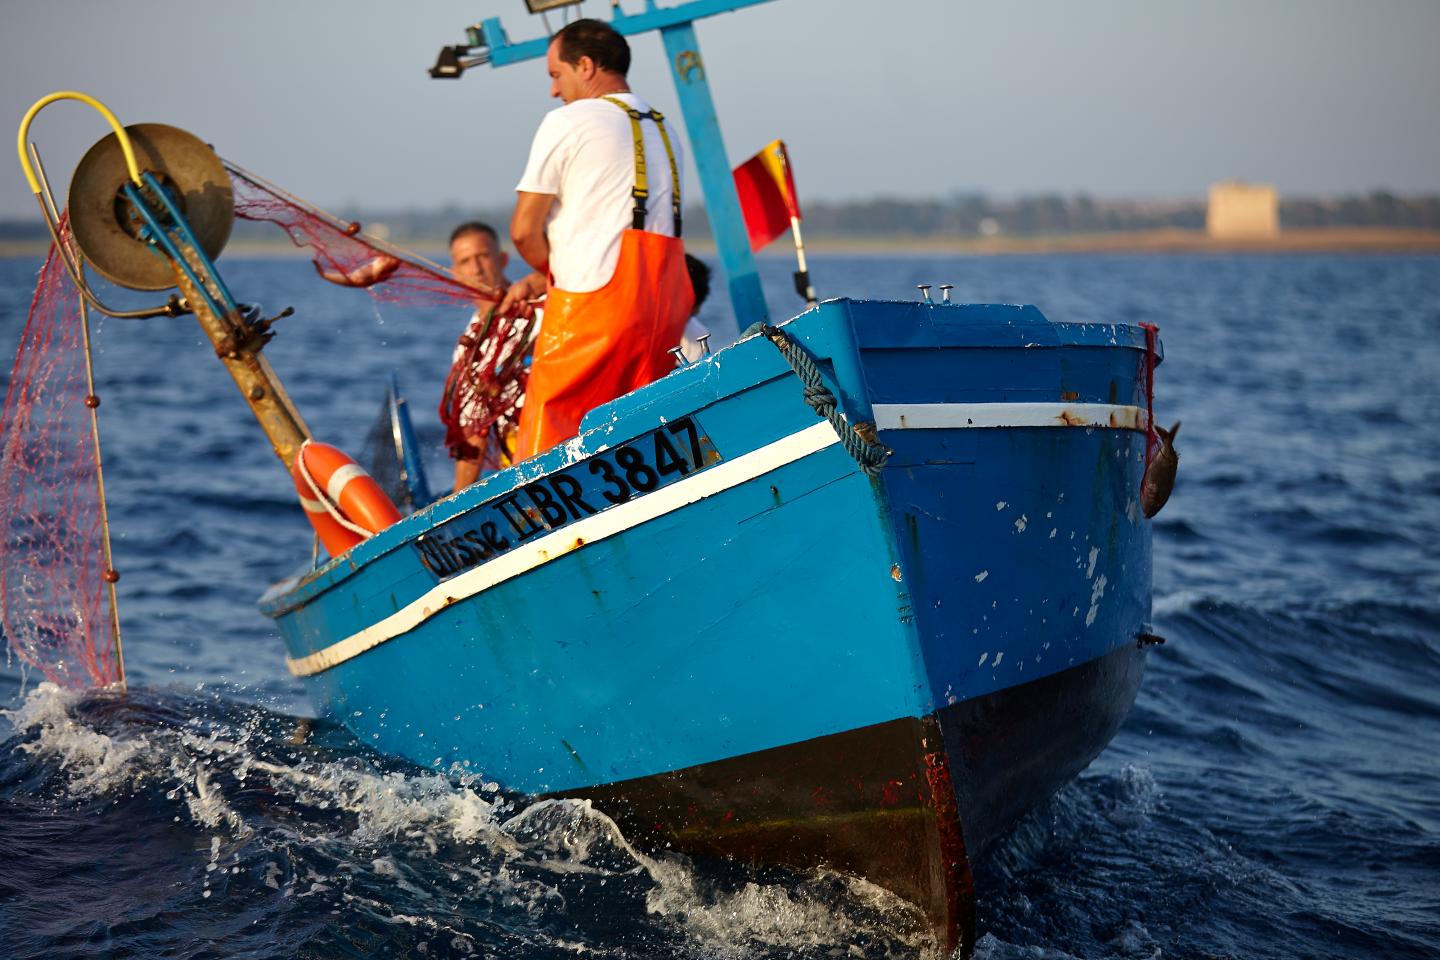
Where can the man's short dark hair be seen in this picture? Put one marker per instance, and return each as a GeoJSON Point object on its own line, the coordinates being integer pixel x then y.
{"type": "Point", "coordinates": [597, 40]}
{"type": "Point", "coordinates": [474, 226]}
{"type": "Point", "coordinates": [699, 278]}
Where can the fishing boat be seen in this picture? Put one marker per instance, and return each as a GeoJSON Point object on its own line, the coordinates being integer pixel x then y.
{"type": "Point", "coordinates": [738, 637]}
{"type": "Point", "coordinates": [853, 593]}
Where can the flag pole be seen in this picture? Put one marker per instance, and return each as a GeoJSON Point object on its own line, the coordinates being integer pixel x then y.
{"type": "Point", "coordinates": [803, 286]}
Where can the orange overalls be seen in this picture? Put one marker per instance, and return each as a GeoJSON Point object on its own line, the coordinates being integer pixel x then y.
{"type": "Point", "coordinates": [599, 345]}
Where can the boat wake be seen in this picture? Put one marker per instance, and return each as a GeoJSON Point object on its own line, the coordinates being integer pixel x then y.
{"type": "Point", "coordinates": [222, 815]}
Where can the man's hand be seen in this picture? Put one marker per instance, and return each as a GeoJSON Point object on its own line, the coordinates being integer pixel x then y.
{"type": "Point", "coordinates": [517, 302]}
{"type": "Point", "coordinates": [365, 275]}
{"type": "Point", "coordinates": [484, 293]}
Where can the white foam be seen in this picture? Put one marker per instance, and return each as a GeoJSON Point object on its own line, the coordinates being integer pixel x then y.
{"type": "Point", "coordinates": [989, 947]}
{"type": "Point", "coordinates": [94, 761]}
{"type": "Point", "coordinates": [389, 822]}
{"type": "Point", "coordinates": [733, 924]}
{"type": "Point", "coordinates": [1181, 601]}
{"type": "Point", "coordinates": [571, 836]}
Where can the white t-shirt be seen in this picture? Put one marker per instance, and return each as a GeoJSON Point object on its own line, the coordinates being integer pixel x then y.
{"type": "Point", "coordinates": [584, 156]}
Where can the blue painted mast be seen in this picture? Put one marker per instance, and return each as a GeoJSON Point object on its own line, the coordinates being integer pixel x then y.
{"type": "Point", "coordinates": [489, 43]}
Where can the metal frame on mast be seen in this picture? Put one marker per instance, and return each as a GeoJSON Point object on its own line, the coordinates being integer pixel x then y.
{"type": "Point", "coordinates": [490, 44]}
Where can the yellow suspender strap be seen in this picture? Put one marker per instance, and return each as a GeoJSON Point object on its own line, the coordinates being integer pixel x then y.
{"type": "Point", "coordinates": [642, 181]}
{"type": "Point", "coordinates": [641, 193]}
{"type": "Point", "coordinates": [674, 170]}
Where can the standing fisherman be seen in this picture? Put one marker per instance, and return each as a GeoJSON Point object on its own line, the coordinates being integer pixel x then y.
{"type": "Point", "coordinates": [601, 227]}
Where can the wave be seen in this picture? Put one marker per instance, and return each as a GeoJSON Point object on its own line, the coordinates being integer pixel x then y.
{"type": "Point", "coordinates": [253, 819]}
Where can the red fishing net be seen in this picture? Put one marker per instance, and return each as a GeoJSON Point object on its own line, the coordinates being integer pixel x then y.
{"type": "Point", "coordinates": [480, 403]}
{"type": "Point", "coordinates": [487, 380]}
{"type": "Point", "coordinates": [54, 601]}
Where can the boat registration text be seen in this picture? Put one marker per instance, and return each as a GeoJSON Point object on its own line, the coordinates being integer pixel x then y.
{"type": "Point", "coordinates": [609, 478]}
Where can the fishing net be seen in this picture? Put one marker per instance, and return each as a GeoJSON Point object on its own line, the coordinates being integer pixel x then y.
{"type": "Point", "coordinates": [56, 607]}
{"type": "Point", "coordinates": [481, 413]}
{"type": "Point", "coordinates": [342, 254]}
{"type": "Point", "coordinates": [55, 603]}
{"type": "Point", "coordinates": [487, 380]}
{"type": "Point", "coordinates": [391, 457]}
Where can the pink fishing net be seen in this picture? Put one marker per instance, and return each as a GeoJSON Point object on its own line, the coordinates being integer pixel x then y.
{"type": "Point", "coordinates": [341, 250]}
{"type": "Point", "coordinates": [487, 381]}
{"type": "Point", "coordinates": [54, 600]}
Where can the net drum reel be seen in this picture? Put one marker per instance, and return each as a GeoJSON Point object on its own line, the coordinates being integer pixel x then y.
{"type": "Point", "coordinates": [119, 225]}
{"type": "Point", "coordinates": [150, 207]}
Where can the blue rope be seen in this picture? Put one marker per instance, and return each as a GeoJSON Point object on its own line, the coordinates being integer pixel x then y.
{"type": "Point", "coordinates": [869, 454]}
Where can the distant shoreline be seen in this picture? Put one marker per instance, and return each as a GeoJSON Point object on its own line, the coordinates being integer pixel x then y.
{"type": "Point", "coordinates": [1168, 241]}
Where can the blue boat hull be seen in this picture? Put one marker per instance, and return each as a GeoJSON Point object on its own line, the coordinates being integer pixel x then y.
{"type": "Point", "coordinates": [704, 614]}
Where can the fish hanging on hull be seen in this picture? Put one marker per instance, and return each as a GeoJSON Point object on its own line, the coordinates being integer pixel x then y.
{"type": "Point", "coordinates": [1160, 475]}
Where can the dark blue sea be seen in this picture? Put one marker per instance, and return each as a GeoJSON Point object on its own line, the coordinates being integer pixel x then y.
{"type": "Point", "coordinates": [1275, 792]}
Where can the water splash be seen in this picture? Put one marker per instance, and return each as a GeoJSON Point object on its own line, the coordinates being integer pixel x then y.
{"type": "Point", "coordinates": [285, 833]}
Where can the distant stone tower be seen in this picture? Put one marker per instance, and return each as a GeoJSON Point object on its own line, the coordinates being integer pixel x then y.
{"type": "Point", "coordinates": [1242, 210]}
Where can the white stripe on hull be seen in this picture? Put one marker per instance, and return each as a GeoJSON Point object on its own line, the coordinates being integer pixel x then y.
{"type": "Point", "coordinates": [957, 416]}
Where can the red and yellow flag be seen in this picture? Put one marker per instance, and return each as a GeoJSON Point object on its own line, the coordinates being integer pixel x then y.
{"type": "Point", "coordinates": [767, 194]}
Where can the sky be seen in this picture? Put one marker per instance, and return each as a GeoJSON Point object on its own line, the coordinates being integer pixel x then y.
{"type": "Point", "coordinates": [905, 98]}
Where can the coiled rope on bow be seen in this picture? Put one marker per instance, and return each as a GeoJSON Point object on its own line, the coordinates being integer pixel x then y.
{"type": "Point", "coordinates": [867, 451]}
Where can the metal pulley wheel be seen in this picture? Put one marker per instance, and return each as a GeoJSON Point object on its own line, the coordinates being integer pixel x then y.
{"type": "Point", "coordinates": [105, 223]}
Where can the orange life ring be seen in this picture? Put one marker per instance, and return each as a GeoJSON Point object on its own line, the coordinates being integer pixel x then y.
{"type": "Point", "coordinates": [343, 502]}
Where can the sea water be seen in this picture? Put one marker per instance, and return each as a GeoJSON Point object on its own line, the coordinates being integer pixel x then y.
{"type": "Point", "coordinates": [1272, 795]}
